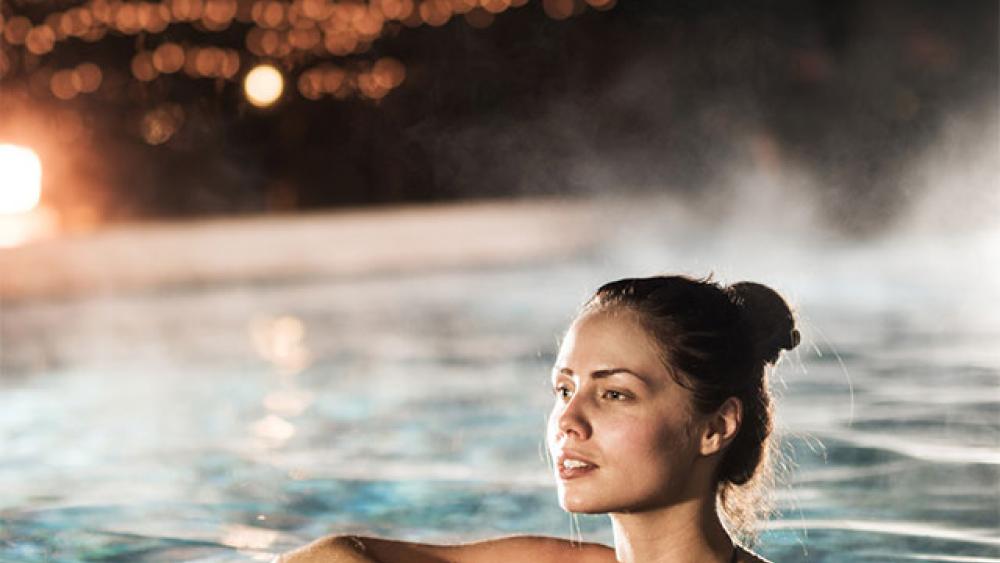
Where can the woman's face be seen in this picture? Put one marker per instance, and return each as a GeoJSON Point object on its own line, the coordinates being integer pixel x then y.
{"type": "Point", "coordinates": [618, 410]}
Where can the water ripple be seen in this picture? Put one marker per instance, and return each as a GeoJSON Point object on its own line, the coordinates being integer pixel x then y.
{"type": "Point", "coordinates": [981, 536]}
{"type": "Point", "coordinates": [940, 453]}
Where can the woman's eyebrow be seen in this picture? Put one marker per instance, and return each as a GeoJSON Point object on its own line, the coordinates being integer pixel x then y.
{"type": "Point", "coordinates": [602, 373]}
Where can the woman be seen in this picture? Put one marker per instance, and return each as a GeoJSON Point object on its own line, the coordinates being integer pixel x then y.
{"type": "Point", "coordinates": [662, 419]}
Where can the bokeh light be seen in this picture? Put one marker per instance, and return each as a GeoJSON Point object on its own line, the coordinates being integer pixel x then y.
{"type": "Point", "coordinates": [281, 340]}
{"type": "Point", "coordinates": [168, 58]}
{"type": "Point", "coordinates": [263, 85]}
{"type": "Point", "coordinates": [602, 4]}
{"type": "Point", "coordinates": [62, 85]}
{"type": "Point", "coordinates": [87, 77]}
{"type": "Point", "coordinates": [21, 183]}
{"type": "Point", "coordinates": [142, 67]}
{"type": "Point", "coordinates": [290, 32]}
{"type": "Point", "coordinates": [159, 125]}
{"type": "Point", "coordinates": [40, 40]}
{"type": "Point", "coordinates": [558, 9]}
{"type": "Point", "coordinates": [16, 30]}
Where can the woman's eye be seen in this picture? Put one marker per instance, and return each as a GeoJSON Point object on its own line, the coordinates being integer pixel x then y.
{"type": "Point", "coordinates": [561, 391]}
{"type": "Point", "coordinates": [615, 395]}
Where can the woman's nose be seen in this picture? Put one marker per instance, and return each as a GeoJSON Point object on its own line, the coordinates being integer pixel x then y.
{"type": "Point", "coordinates": [574, 421]}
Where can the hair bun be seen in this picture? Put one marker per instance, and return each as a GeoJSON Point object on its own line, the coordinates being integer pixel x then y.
{"type": "Point", "coordinates": [768, 319]}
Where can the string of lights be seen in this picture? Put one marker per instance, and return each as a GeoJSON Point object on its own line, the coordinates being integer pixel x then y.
{"type": "Point", "coordinates": [296, 37]}
{"type": "Point", "coordinates": [72, 70]}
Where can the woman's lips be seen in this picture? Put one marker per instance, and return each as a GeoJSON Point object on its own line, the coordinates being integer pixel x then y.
{"type": "Point", "coordinates": [572, 464]}
{"type": "Point", "coordinates": [567, 473]}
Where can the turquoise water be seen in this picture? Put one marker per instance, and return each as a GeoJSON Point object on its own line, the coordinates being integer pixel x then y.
{"type": "Point", "coordinates": [232, 423]}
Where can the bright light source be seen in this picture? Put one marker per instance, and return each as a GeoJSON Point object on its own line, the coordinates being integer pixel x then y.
{"type": "Point", "coordinates": [20, 179]}
{"type": "Point", "coordinates": [263, 85]}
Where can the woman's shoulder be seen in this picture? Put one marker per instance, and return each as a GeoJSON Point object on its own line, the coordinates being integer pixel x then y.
{"type": "Point", "coordinates": [539, 549]}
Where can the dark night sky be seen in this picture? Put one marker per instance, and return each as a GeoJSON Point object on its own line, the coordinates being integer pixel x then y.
{"type": "Point", "coordinates": [645, 97]}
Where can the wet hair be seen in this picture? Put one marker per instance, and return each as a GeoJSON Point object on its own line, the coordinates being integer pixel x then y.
{"type": "Point", "coordinates": [718, 342]}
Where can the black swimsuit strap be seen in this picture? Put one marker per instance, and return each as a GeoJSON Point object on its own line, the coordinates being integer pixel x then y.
{"type": "Point", "coordinates": [735, 553]}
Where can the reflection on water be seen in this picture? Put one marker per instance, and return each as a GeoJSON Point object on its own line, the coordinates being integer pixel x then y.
{"type": "Point", "coordinates": [281, 341]}
{"type": "Point", "coordinates": [235, 422]}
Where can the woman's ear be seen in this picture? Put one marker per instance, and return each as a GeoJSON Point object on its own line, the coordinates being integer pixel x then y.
{"type": "Point", "coordinates": [722, 426]}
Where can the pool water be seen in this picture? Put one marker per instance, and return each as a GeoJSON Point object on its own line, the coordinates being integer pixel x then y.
{"type": "Point", "coordinates": [232, 423]}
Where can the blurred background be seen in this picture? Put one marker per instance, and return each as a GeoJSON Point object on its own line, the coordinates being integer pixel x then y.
{"type": "Point", "coordinates": [272, 269]}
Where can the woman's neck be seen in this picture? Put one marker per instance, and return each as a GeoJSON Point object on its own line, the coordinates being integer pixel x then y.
{"type": "Point", "coordinates": [688, 531]}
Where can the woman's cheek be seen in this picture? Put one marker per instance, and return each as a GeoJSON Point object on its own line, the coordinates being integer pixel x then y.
{"type": "Point", "coordinates": [633, 439]}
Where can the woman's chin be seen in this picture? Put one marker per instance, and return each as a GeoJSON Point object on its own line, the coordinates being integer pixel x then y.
{"type": "Point", "coordinates": [578, 504]}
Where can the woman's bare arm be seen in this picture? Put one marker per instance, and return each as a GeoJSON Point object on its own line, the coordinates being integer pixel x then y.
{"type": "Point", "coordinates": [352, 549]}
{"type": "Point", "coordinates": [334, 549]}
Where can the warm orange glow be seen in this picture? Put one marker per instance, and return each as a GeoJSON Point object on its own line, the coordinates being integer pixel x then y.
{"type": "Point", "coordinates": [558, 9]}
{"type": "Point", "coordinates": [263, 85]}
{"type": "Point", "coordinates": [168, 58]}
{"type": "Point", "coordinates": [102, 11]}
{"type": "Point", "coordinates": [142, 67]}
{"type": "Point", "coordinates": [82, 20]}
{"type": "Point", "coordinates": [127, 19]}
{"type": "Point", "coordinates": [68, 127]}
{"type": "Point", "coordinates": [21, 183]}
{"type": "Point", "coordinates": [273, 14]}
{"type": "Point", "coordinates": [75, 22]}
{"type": "Point", "coordinates": [160, 124]}
{"type": "Point", "coordinates": [219, 13]}
{"type": "Point", "coordinates": [205, 61]}
{"type": "Point", "coordinates": [435, 13]}
{"type": "Point", "coordinates": [495, 6]}
{"type": "Point", "coordinates": [463, 6]}
{"type": "Point", "coordinates": [230, 63]}
{"type": "Point", "coordinates": [143, 15]}
{"type": "Point", "coordinates": [368, 24]}
{"type": "Point", "coordinates": [389, 72]}
{"type": "Point", "coordinates": [186, 10]}
{"type": "Point", "coordinates": [397, 9]}
{"type": "Point", "coordinates": [87, 77]}
{"type": "Point", "coordinates": [304, 39]}
{"type": "Point", "coordinates": [94, 34]}
{"type": "Point", "coordinates": [310, 85]}
{"type": "Point", "coordinates": [16, 30]}
{"type": "Point", "coordinates": [340, 43]}
{"type": "Point", "coordinates": [316, 9]}
{"type": "Point", "coordinates": [369, 87]}
{"type": "Point", "coordinates": [270, 41]}
{"type": "Point", "coordinates": [62, 85]}
{"type": "Point", "coordinates": [40, 40]}
{"type": "Point", "coordinates": [602, 4]}
{"type": "Point", "coordinates": [333, 79]}
{"type": "Point", "coordinates": [155, 18]}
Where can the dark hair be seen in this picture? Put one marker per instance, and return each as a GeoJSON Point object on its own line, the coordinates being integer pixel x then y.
{"type": "Point", "coordinates": [718, 341]}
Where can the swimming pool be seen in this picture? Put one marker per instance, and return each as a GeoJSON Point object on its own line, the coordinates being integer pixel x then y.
{"type": "Point", "coordinates": [233, 422]}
